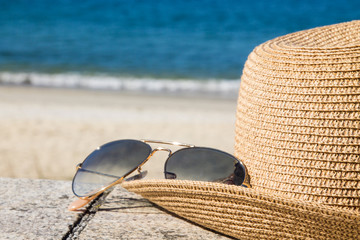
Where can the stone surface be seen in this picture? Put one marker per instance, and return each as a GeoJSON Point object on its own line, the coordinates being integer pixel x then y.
{"type": "Point", "coordinates": [125, 215]}
{"type": "Point", "coordinates": [37, 209]}
{"type": "Point", "coordinates": [34, 209]}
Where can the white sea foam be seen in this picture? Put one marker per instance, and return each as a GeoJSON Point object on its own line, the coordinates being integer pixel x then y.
{"type": "Point", "coordinates": [119, 83]}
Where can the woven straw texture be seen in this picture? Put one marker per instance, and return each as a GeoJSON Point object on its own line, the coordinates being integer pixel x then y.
{"type": "Point", "coordinates": [298, 133]}
{"type": "Point", "coordinates": [298, 116]}
{"type": "Point", "coordinates": [247, 214]}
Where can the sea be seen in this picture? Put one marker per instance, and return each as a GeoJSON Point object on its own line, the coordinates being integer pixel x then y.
{"type": "Point", "coordinates": [159, 46]}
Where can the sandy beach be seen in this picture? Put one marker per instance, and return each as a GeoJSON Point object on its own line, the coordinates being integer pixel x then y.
{"type": "Point", "coordinates": [45, 132]}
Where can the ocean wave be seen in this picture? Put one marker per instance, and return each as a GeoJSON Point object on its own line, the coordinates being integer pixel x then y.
{"type": "Point", "coordinates": [224, 87]}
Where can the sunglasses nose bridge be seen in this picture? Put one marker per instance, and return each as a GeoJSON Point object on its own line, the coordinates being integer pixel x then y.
{"type": "Point", "coordinates": [162, 149]}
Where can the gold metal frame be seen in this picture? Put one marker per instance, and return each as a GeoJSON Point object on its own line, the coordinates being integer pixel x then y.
{"type": "Point", "coordinates": [138, 168]}
{"type": "Point", "coordinates": [246, 182]}
{"type": "Point", "coordinates": [167, 143]}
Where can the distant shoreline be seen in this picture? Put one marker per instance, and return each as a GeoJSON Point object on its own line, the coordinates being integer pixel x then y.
{"type": "Point", "coordinates": [223, 88]}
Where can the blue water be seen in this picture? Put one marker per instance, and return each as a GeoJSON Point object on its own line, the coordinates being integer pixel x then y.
{"type": "Point", "coordinates": [163, 39]}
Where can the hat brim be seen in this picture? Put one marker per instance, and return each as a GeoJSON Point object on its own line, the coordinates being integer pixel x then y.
{"type": "Point", "coordinates": [246, 213]}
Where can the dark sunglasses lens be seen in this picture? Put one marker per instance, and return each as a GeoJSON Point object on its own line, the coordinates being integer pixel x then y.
{"type": "Point", "coordinates": [205, 164]}
{"type": "Point", "coordinates": [107, 164]}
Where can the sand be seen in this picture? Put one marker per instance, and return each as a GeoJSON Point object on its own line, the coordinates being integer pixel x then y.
{"type": "Point", "coordinates": [45, 132]}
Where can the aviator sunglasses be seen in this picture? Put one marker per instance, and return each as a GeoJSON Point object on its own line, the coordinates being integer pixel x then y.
{"type": "Point", "coordinates": [113, 163]}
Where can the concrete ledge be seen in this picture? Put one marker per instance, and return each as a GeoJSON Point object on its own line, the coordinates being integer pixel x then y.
{"type": "Point", "coordinates": [34, 209]}
{"type": "Point", "coordinates": [37, 209]}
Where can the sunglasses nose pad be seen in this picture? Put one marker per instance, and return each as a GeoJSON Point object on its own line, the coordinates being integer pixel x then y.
{"type": "Point", "coordinates": [170, 175]}
{"type": "Point", "coordinates": [137, 176]}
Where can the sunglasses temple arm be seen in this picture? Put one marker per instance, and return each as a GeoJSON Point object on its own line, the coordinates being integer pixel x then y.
{"type": "Point", "coordinates": [80, 202]}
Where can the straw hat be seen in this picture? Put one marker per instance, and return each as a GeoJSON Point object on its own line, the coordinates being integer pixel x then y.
{"type": "Point", "coordinates": [298, 132]}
